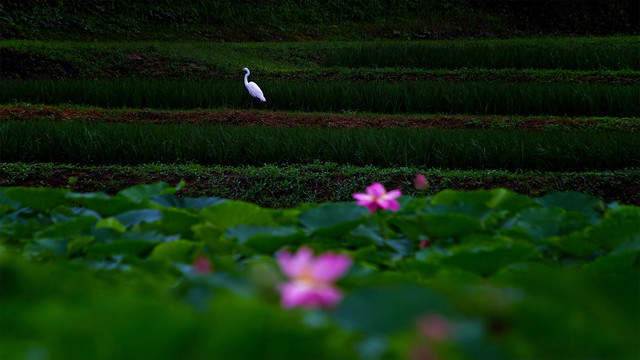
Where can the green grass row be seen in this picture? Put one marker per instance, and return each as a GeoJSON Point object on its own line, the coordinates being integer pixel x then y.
{"type": "Point", "coordinates": [492, 55]}
{"type": "Point", "coordinates": [290, 185]}
{"type": "Point", "coordinates": [128, 144]}
{"type": "Point", "coordinates": [576, 53]}
{"type": "Point", "coordinates": [74, 61]}
{"type": "Point", "coordinates": [379, 97]}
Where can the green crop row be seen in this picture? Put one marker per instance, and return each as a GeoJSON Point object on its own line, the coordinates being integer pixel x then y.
{"type": "Point", "coordinates": [493, 55]}
{"type": "Point", "coordinates": [318, 58]}
{"type": "Point", "coordinates": [457, 275]}
{"type": "Point", "coordinates": [380, 97]}
{"type": "Point", "coordinates": [290, 185]}
{"type": "Point", "coordinates": [100, 143]}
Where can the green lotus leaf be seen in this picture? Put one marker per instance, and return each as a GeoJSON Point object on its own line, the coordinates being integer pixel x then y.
{"type": "Point", "coordinates": [37, 198]}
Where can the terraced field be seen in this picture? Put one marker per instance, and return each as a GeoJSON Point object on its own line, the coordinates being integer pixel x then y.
{"type": "Point", "coordinates": [468, 190]}
{"type": "Point", "coordinates": [532, 115]}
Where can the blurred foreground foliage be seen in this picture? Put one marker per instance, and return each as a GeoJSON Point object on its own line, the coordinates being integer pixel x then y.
{"type": "Point", "coordinates": [86, 275]}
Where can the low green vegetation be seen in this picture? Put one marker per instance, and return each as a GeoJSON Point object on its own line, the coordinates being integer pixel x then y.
{"type": "Point", "coordinates": [283, 186]}
{"type": "Point", "coordinates": [458, 274]}
{"type": "Point", "coordinates": [126, 144]}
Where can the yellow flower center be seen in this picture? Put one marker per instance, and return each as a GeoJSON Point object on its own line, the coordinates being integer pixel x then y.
{"type": "Point", "coordinates": [306, 276]}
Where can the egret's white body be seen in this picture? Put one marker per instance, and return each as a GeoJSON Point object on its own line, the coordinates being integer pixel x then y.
{"type": "Point", "coordinates": [253, 88]}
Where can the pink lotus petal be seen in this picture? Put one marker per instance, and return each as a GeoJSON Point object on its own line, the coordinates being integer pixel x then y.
{"type": "Point", "coordinates": [389, 204]}
{"type": "Point", "coordinates": [311, 283]}
{"type": "Point", "coordinates": [293, 265]}
{"type": "Point", "coordinates": [330, 267]}
{"type": "Point", "coordinates": [328, 296]}
{"type": "Point", "coordinates": [296, 293]}
{"type": "Point", "coordinates": [393, 194]}
{"type": "Point", "coordinates": [377, 197]}
{"type": "Point", "coordinates": [372, 207]}
{"type": "Point", "coordinates": [362, 196]}
{"type": "Point", "coordinates": [363, 199]}
{"type": "Point", "coordinates": [293, 294]}
{"type": "Point", "coordinates": [376, 189]}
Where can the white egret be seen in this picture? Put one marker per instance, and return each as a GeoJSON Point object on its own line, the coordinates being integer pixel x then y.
{"type": "Point", "coordinates": [253, 88]}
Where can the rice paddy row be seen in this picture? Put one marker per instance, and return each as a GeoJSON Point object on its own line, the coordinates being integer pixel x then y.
{"type": "Point", "coordinates": [128, 144]}
{"type": "Point", "coordinates": [102, 59]}
{"type": "Point", "coordinates": [334, 96]}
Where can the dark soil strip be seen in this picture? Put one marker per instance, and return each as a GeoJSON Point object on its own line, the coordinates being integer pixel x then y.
{"type": "Point", "coordinates": [287, 119]}
{"type": "Point", "coordinates": [291, 185]}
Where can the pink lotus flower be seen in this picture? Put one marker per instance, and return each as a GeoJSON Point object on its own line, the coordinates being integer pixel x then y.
{"type": "Point", "coordinates": [377, 197]}
{"type": "Point", "coordinates": [420, 182]}
{"type": "Point", "coordinates": [202, 265]}
{"type": "Point", "coordinates": [435, 326]}
{"type": "Point", "coordinates": [311, 279]}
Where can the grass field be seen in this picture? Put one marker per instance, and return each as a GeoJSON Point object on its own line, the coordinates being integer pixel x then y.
{"type": "Point", "coordinates": [378, 97]}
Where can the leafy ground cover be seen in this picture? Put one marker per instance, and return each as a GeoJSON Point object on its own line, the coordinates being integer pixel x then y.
{"type": "Point", "coordinates": [291, 185]}
{"type": "Point", "coordinates": [146, 274]}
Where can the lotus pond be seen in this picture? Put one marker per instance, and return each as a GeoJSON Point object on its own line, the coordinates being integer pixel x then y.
{"type": "Point", "coordinates": [456, 275]}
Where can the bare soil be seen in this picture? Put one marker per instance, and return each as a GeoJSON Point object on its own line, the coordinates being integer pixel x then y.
{"type": "Point", "coordinates": [325, 120]}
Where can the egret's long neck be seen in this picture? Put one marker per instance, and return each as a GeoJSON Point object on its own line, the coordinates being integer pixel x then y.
{"type": "Point", "coordinates": [245, 77]}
